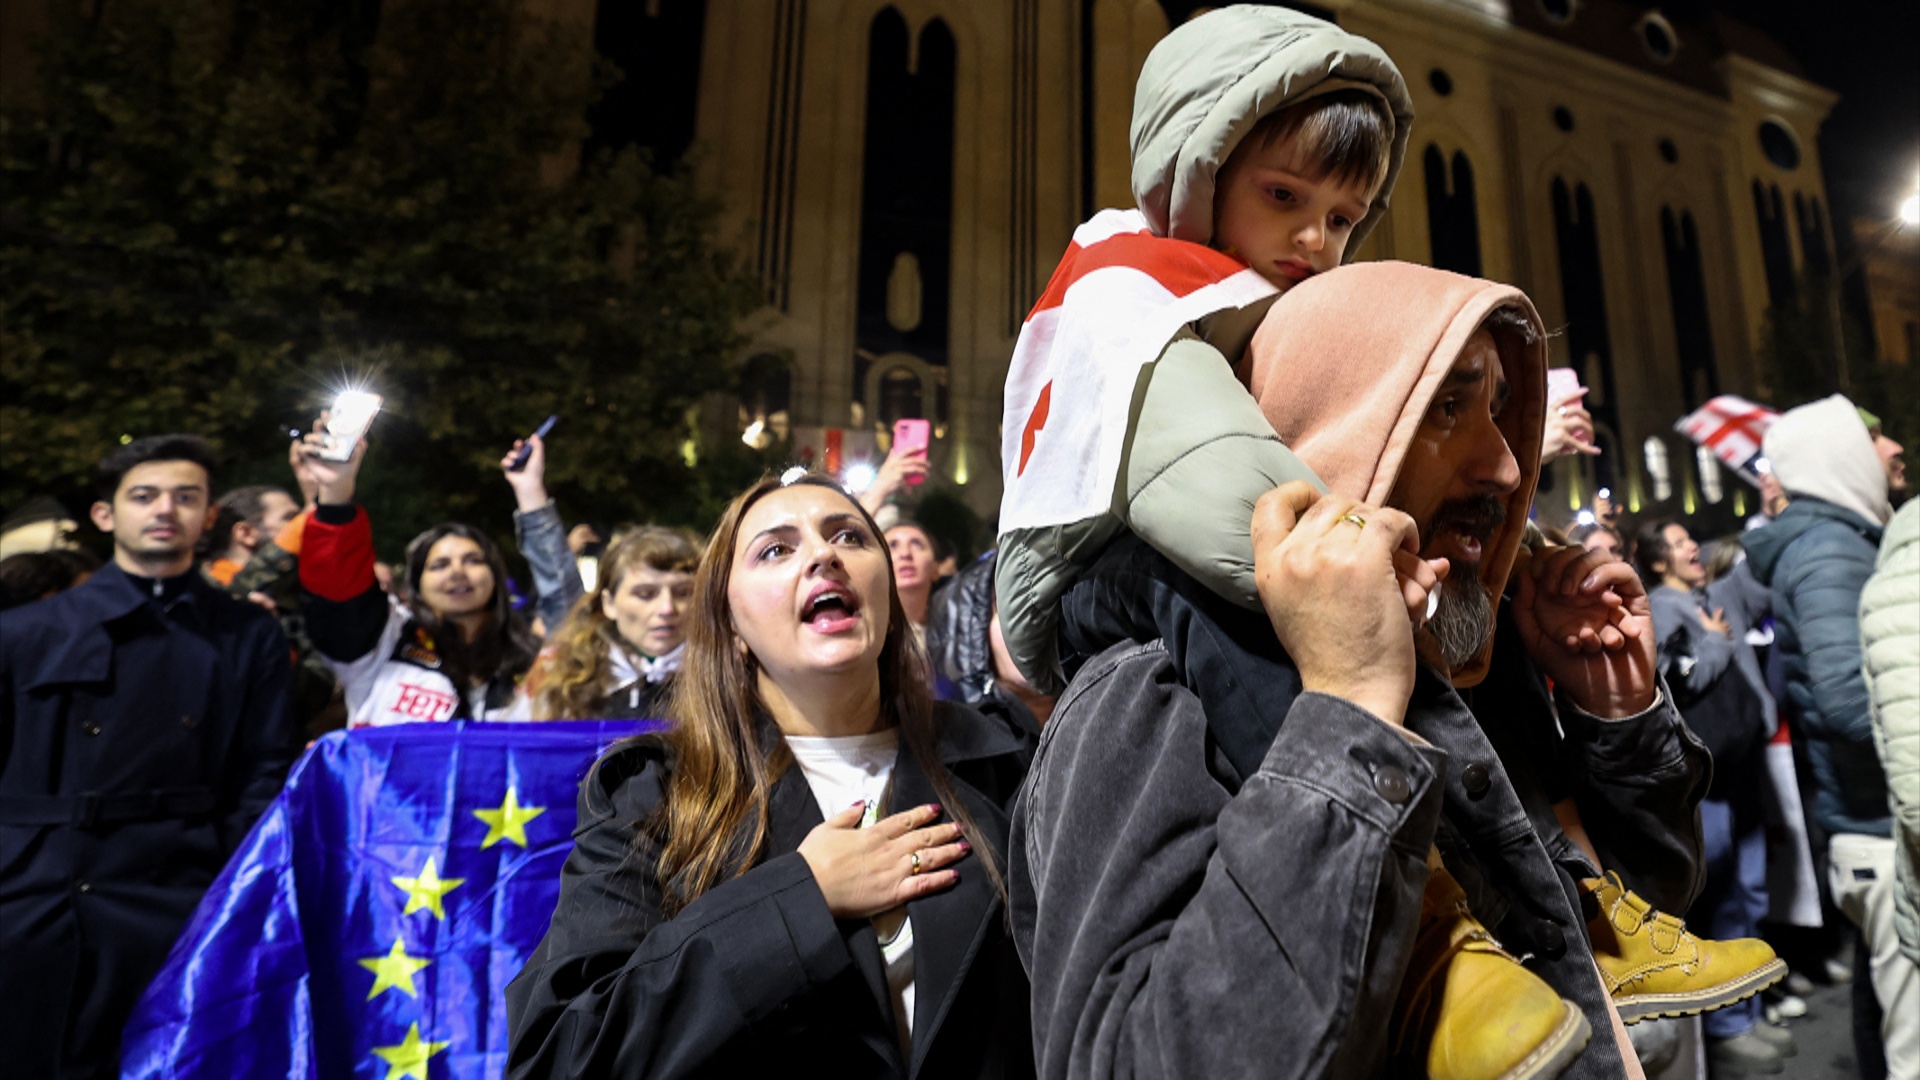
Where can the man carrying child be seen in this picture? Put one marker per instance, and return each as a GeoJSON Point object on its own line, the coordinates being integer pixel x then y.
{"type": "Point", "coordinates": [1233, 855]}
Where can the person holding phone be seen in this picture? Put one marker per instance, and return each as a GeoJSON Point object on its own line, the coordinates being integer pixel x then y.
{"type": "Point", "coordinates": [905, 466]}
{"type": "Point", "coordinates": [540, 533]}
{"type": "Point", "coordinates": [805, 870]}
{"type": "Point", "coordinates": [454, 649]}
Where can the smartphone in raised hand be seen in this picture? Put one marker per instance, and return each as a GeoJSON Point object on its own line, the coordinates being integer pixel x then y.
{"type": "Point", "coordinates": [912, 436]}
{"type": "Point", "coordinates": [1562, 383]}
{"type": "Point", "coordinates": [348, 419]}
{"type": "Point", "coordinates": [526, 446]}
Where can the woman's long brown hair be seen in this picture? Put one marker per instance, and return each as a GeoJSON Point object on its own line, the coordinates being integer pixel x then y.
{"type": "Point", "coordinates": [713, 824]}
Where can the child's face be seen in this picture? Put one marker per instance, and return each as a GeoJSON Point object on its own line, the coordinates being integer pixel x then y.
{"type": "Point", "coordinates": [1287, 227]}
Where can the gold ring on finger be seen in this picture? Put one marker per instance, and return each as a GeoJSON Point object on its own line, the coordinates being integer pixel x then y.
{"type": "Point", "coordinates": [915, 856]}
{"type": "Point", "coordinates": [1352, 518]}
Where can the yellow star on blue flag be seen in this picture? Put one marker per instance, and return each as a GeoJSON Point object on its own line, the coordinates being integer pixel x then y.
{"type": "Point", "coordinates": [427, 890]}
{"type": "Point", "coordinates": [508, 821]}
{"type": "Point", "coordinates": [409, 1059]}
{"type": "Point", "coordinates": [394, 970]}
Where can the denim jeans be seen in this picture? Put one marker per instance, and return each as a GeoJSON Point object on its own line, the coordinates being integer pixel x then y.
{"type": "Point", "coordinates": [1735, 895]}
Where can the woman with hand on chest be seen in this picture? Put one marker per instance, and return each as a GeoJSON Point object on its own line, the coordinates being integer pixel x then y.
{"type": "Point", "coordinates": [806, 868]}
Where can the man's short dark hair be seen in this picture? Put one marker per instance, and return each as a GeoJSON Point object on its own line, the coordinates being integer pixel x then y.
{"type": "Point", "coordinates": [115, 466]}
{"type": "Point", "coordinates": [248, 504]}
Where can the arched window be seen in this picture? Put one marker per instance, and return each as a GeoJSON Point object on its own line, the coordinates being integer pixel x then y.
{"type": "Point", "coordinates": [906, 196]}
{"type": "Point", "coordinates": [1813, 234]}
{"type": "Point", "coordinates": [1687, 295]}
{"type": "Point", "coordinates": [1577, 233]}
{"type": "Point", "coordinates": [1453, 223]}
{"type": "Point", "coordinates": [1711, 488]}
{"type": "Point", "coordinates": [901, 396]}
{"type": "Point", "coordinates": [1659, 469]}
{"type": "Point", "coordinates": [766, 393]}
{"type": "Point", "coordinates": [1774, 247]}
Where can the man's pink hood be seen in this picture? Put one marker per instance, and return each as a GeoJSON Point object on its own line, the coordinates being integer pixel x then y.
{"type": "Point", "coordinates": [1347, 362]}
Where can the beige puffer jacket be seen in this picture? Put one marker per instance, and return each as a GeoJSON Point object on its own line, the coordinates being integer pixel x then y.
{"type": "Point", "coordinates": [1890, 661]}
{"type": "Point", "coordinates": [1199, 455]}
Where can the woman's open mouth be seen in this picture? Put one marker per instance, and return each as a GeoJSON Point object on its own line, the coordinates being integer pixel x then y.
{"type": "Point", "coordinates": [831, 609]}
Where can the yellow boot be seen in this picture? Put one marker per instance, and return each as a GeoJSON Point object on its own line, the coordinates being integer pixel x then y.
{"type": "Point", "coordinates": [1654, 967]}
{"type": "Point", "coordinates": [1469, 1011]}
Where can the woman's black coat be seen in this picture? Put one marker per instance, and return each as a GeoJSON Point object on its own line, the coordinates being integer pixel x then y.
{"type": "Point", "coordinates": [756, 977]}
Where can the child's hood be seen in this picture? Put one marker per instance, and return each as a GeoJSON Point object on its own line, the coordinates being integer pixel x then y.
{"type": "Point", "coordinates": [1347, 362]}
{"type": "Point", "coordinates": [1207, 84]}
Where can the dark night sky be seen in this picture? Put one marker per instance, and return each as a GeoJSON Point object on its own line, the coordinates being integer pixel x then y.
{"type": "Point", "coordinates": [1868, 51]}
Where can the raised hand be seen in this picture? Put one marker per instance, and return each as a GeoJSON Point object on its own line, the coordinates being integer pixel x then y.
{"type": "Point", "coordinates": [1325, 567]}
{"type": "Point", "coordinates": [894, 473]}
{"type": "Point", "coordinates": [530, 482]}
{"type": "Point", "coordinates": [1569, 428]}
{"type": "Point", "coordinates": [334, 481]}
{"type": "Point", "coordinates": [303, 475]}
{"type": "Point", "coordinates": [1585, 620]}
{"type": "Point", "coordinates": [863, 872]}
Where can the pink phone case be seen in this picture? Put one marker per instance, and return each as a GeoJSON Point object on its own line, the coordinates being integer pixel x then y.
{"type": "Point", "coordinates": [910, 436]}
{"type": "Point", "coordinates": [1561, 381]}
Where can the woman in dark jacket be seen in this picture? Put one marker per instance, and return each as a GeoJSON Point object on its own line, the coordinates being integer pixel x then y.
{"type": "Point", "coordinates": [807, 868]}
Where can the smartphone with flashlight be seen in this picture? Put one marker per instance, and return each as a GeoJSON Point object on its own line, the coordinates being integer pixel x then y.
{"type": "Point", "coordinates": [911, 436]}
{"type": "Point", "coordinates": [526, 446]}
{"type": "Point", "coordinates": [348, 419]}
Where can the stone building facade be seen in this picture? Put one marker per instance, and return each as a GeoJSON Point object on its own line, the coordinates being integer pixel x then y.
{"type": "Point", "coordinates": [905, 173]}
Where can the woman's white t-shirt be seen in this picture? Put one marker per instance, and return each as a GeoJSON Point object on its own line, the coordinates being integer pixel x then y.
{"type": "Point", "coordinates": [843, 770]}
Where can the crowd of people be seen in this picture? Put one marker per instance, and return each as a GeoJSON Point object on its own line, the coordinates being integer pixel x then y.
{"type": "Point", "coordinates": [1305, 751]}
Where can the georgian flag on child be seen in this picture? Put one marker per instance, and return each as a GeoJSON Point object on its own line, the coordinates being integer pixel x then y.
{"type": "Point", "coordinates": [1118, 297]}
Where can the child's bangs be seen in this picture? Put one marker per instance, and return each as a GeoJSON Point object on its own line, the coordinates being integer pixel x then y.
{"type": "Point", "coordinates": [1345, 136]}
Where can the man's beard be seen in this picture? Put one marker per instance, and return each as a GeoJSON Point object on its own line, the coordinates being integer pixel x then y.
{"type": "Point", "coordinates": [1462, 624]}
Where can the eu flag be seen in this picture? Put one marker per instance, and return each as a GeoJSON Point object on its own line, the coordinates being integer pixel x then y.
{"type": "Point", "coordinates": [371, 921]}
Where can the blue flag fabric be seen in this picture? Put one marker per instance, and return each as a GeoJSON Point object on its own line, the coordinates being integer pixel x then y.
{"type": "Point", "coordinates": [369, 924]}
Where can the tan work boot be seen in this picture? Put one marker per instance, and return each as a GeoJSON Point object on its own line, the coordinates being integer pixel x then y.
{"type": "Point", "coordinates": [1469, 1011]}
{"type": "Point", "coordinates": [1654, 967]}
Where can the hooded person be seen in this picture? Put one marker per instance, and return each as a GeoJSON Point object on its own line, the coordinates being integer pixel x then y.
{"type": "Point", "coordinates": [1817, 557]}
{"type": "Point", "coordinates": [1251, 801]}
{"type": "Point", "coordinates": [1139, 326]}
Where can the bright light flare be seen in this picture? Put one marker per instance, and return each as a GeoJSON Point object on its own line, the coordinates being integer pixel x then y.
{"type": "Point", "coordinates": [1584, 517]}
{"type": "Point", "coordinates": [353, 408]}
{"type": "Point", "coordinates": [1910, 210]}
{"type": "Point", "coordinates": [858, 478]}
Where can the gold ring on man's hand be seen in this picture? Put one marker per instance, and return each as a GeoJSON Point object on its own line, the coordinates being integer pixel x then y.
{"type": "Point", "coordinates": [1352, 518]}
{"type": "Point", "coordinates": [915, 856]}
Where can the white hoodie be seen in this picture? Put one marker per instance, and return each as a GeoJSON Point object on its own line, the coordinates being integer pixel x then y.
{"type": "Point", "coordinates": [1823, 449]}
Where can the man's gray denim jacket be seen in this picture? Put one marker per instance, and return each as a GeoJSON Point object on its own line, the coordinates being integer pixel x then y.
{"type": "Point", "coordinates": [1177, 922]}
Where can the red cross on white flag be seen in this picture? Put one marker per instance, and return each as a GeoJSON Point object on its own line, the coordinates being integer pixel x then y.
{"type": "Point", "coordinates": [1732, 427]}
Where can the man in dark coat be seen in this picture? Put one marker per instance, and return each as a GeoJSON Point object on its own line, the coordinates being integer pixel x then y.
{"type": "Point", "coordinates": [145, 722]}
